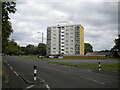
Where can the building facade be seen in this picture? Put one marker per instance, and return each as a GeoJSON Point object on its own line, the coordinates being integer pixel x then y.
{"type": "Point", "coordinates": [65, 39]}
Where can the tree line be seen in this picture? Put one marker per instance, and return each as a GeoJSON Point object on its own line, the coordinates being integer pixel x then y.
{"type": "Point", "coordinates": [14, 49]}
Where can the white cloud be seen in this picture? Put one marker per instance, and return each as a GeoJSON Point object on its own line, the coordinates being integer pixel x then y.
{"type": "Point", "coordinates": [98, 18]}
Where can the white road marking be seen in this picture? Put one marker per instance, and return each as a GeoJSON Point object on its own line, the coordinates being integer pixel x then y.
{"type": "Point", "coordinates": [5, 61]}
{"type": "Point", "coordinates": [89, 70]}
{"type": "Point", "coordinates": [11, 68]}
{"type": "Point", "coordinates": [95, 81]}
{"type": "Point", "coordinates": [48, 87]}
{"type": "Point", "coordinates": [29, 87]}
{"type": "Point", "coordinates": [8, 64]}
{"type": "Point", "coordinates": [15, 73]}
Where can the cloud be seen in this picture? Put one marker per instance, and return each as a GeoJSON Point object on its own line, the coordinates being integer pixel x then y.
{"type": "Point", "coordinates": [100, 20]}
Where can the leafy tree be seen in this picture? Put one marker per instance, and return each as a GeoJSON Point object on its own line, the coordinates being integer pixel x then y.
{"type": "Point", "coordinates": [13, 48]}
{"type": "Point", "coordinates": [30, 49]}
{"type": "Point", "coordinates": [88, 48]}
{"type": "Point", "coordinates": [117, 44]}
{"type": "Point", "coordinates": [41, 49]}
{"type": "Point", "coordinates": [104, 50]}
{"type": "Point", "coordinates": [7, 7]}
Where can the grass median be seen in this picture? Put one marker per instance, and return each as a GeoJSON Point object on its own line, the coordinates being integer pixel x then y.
{"type": "Point", "coordinates": [111, 67]}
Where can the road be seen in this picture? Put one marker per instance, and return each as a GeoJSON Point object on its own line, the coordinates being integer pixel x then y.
{"type": "Point", "coordinates": [55, 76]}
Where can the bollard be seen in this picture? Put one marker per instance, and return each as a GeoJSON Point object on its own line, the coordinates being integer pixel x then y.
{"type": "Point", "coordinates": [99, 66]}
{"type": "Point", "coordinates": [35, 71]}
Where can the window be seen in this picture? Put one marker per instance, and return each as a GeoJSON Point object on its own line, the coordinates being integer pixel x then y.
{"type": "Point", "coordinates": [54, 48]}
{"type": "Point", "coordinates": [67, 40]}
{"type": "Point", "coordinates": [62, 32]}
{"type": "Point", "coordinates": [66, 48]}
{"type": "Point", "coordinates": [62, 49]}
{"type": "Point", "coordinates": [62, 46]}
{"type": "Point", "coordinates": [62, 35]}
{"type": "Point", "coordinates": [77, 41]}
{"type": "Point", "coordinates": [77, 27]}
{"type": "Point", "coordinates": [76, 33]}
{"type": "Point", "coordinates": [67, 34]}
{"type": "Point", "coordinates": [54, 51]}
{"type": "Point", "coordinates": [66, 51]}
{"type": "Point", "coordinates": [71, 48]}
{"type": "Point", "coordinates": [77, 38]}
{"type": "Point", "coordinates": [53, 41]}
{"type": "Point", "coordinates": [54, 37]}
{"type": "Point", "coordinates": [62, 42]}
{"type": "Point", "coordinates": [62, 38]}
{"type": "Point", "coordinates": [71, 40]}
{"type": "Point", "coordinates": [62, 27]}
{"type": "Point", "coordinates": [54, 34]}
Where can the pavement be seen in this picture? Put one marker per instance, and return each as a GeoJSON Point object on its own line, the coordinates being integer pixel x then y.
{"type": "Point", "coordinates": [54, 75]}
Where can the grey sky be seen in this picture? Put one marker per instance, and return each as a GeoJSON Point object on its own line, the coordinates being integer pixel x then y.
{"type": "Point", "coordinates": [99, 18]}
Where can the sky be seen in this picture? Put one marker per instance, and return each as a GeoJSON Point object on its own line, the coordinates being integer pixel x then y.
{"type": "Point", "coordinates": [98, 17]}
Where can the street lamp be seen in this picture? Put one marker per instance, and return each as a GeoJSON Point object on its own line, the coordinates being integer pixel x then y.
{"type": "Point", "coordinates": [42, 36]}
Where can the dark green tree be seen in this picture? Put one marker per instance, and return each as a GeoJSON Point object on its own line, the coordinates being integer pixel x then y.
{"type": "Point", "coordinates": [31, 49]}
{"type": "Point", "coordinates": [7, 8]}
{"type": "Point", "coordinates": [88, 48]}
{"type": "Point", "coordinates": [117, 44]}
{"type": "Point", "coordinates": [13, 49]}
{"type": "Point", "coordinates": [41, 49]}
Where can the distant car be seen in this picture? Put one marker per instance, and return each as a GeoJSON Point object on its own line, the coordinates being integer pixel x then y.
{"type": "Point", "coordinates": [41, 56]}
{"type": "Point", "coordinates": [55, 57]}
{"type": "Point", "coordinates": [51, 56]}
{"type": "Point", "coordinates": [60, 57]}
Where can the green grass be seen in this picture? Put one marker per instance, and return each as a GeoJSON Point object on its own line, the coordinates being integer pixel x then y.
{"type": "Point", "coordinates": [111, 67]}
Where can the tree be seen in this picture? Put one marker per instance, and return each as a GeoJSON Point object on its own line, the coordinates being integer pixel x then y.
{"type": "Point", "coordinates": [88, 48]}
{"type": "Point", "coordinates": [13, 48]}
{"type": "Point", "coordinates": [104, 50]}
{"type": "Point", "coordinates": [41, 49]}
{"type": "Point", "coordinates": [117, 44]}
{"type": "Point", "coordinates": [7, 7]}
{"type": "Point", "coordinates": [31, 49]}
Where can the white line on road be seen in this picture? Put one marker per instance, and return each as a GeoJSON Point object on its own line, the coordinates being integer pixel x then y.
{"type": "Point", "coordinates": [15, 73]}
{"type": "Point", "coordinates": [11, 68]}
{"type": "Point", "coordinates": [29, 87]}
{"type": "Point", "coordinates": [95, 81]}
{"type": "Point", "coordinates": [48, 87]}
{"type": "Point", "coordinates": [5, 61]}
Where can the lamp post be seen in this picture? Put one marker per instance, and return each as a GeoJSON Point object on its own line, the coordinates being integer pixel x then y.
{"type": "Point", "coordinates": [42, 36]}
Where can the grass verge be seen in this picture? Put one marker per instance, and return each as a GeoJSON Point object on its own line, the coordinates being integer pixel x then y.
{"type": "Point", "coordinates": [111, 67]}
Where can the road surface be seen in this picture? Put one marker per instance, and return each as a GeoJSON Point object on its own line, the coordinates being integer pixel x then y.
{"type": "Point", "coordinates": [55, 76]}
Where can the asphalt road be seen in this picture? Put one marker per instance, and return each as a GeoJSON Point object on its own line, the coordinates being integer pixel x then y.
{"type": "Point", "coordinates": [55, 76]}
